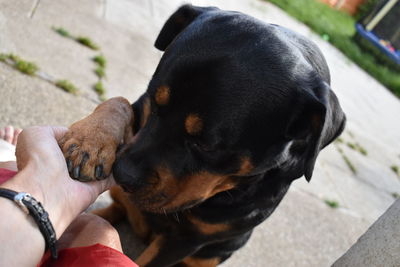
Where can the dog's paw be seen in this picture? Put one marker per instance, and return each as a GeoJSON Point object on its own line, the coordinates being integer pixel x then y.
{"type": "Point", "coordinates": [89, 153]}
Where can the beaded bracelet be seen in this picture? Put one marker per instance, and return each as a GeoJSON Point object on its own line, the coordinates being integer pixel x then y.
{"type": "Point", "coordinates": [33, 207]}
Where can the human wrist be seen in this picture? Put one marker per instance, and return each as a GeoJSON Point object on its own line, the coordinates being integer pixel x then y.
{"type": "Point", "coordinates": [37, 182]}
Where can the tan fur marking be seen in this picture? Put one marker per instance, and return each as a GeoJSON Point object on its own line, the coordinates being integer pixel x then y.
{"type": "Point", "coordinates": [193, 124]}
{"type": "Point", "coordinates": [246, 166]}
{"type": "Point", "coordinates": [208, 228]}
{"type": "Point", "coordinates": [150, 252]}
{"type": "Point", "coordinates": [145, 112]}
{"type": "Point", "coordinates": [196, 262]}
{"type": "Point", "coordinates": [162, 95]}
{"type": "Point", "coordinates": [199, 186]}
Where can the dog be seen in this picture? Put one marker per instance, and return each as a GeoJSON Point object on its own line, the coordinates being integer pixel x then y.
{"type": "Point", "coordinates": [236, 110]}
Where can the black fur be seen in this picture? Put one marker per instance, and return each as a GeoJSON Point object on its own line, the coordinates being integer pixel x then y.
{"type": "Point", "coordinates": [262, 92]}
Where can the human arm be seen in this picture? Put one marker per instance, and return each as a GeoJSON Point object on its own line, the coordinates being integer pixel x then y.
{"type": "Point", "coordinates": [43, 174]}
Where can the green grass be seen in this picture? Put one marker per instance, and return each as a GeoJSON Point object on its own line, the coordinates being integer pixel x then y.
{"type": "Point", "coordinates": [3, 57]}
{"type": "Point", "coordinates": [100, 60]}
{"type": "Point", "coordinates": [100, 72]}
{"type": "Point", "coordinates": [395, 195]}
{"type": "Point", "coordinates": [331, 203]}
{"type": "Point", "coordinates": [338, 28]}
{"type": "Point", "coordinates": [26, 67]}
{"type": "Point", "coordinates": [23, 66]}
{"type": "Point", "coordinates": [347, 161]}
{"type": "Point", "coordinates": [67, 86]}
{"type": "Point", "coordinates": [395, 169]}
{"type": "Point", "coordinates": [357, 147]}
{"type": "Point", "coordinates": [62, 31]}
{"type": "Point", "coordinates": [99, 88]}
{"type": "Point", "coordinates": [86, 41]}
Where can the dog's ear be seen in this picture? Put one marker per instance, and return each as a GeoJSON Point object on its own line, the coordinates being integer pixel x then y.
{"type": "Point", "coordinates": [177, 23]}
{"type": "Point", "coordinates": [318, 121]}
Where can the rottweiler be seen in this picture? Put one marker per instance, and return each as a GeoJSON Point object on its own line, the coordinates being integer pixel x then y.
{"type": "Point", "coordinates": [235, 111]}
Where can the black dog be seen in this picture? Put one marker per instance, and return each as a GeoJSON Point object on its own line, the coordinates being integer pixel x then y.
{"type": "Point", "coordinates": [236, 110]}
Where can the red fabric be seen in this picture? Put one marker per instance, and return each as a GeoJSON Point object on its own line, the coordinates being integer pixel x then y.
{"type": "Point", "coordinates": [96, 255]}
{"type": "Point", "coordinates": [6, 174]}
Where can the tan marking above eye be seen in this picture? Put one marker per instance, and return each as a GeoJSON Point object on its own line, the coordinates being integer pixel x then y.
{"type": "Point", "coordinates": [193, 124]}
{"type": "Point", "coordinates": [245, 166]}
{"type": "Point", "coordinates": [162, 95]}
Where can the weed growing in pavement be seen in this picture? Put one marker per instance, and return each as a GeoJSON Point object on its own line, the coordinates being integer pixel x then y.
{"type": "Point", "coordinates": [67, 86]}
{"type": "Point", "coordinates": [332, 203]}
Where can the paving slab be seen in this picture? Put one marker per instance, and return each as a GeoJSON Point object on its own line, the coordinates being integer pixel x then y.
{"type": "Point", "coordinates": [285, 239]}
{"type": "Point", "coordinates": [27, 101]}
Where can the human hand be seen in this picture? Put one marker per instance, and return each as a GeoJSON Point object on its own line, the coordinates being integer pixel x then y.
{"type": "Point", "coordinates": [45, 176]}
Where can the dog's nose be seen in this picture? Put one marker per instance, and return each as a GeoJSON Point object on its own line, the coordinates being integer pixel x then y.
{"type": "Point", "coordinates": [127, 175]}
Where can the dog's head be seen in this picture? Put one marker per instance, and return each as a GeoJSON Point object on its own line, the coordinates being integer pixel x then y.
{"type": "Point", "coordinates": [231, 98]}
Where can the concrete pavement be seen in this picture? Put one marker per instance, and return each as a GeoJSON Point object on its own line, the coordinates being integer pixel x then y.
{"type": "Point", "coordinates": [304, 230]}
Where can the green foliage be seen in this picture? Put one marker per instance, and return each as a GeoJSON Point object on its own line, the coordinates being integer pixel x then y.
{"type": "Point", "coordinates": [339, 27]}
{"type": "Point", "coordinates": [357, 147]}
{"type": "Point", "coordinates": [100, 60]}
{"type": "Point", "coordinates": [99, 88]}
{"type": "Point", "coordinates": [100, 72]}
{"type": "Point", "coordinates": [86, 41]}
{"type": "Point", "coordinates": [23, 66]}
{"type": "Point", "coordinates": [395, 195]}
{"type": "Point", "coordinates": [395, 169]}
{"type": "Point", "coordinates": [62, 31]}
{"type": "Point", "coordinates": [347, 161]}
{"type": "Point", "coordinates": [3, 57]}
{"type": "Point", "coordinates": [26, 67]}
{"type": "Point", "coordinates": [67, 86]}
{"type": "Point", "coordinates": [331, 203]}
{"type": "Point", "coordinates": [365, 8]}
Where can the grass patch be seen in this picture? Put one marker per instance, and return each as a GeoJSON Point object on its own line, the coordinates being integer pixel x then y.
{"type": "Point", "coordinates": [67, 86]}
{"type": "Point", "coordinates": [3, 57]}
{"type": "Point", "coordinates": [395, 169]}
{"type": "Point", "coordinates": [338, 28]}
{"type": "Point", "coordinates": [23, 66]}
{"type": "Point", "coordinates": [100, 60]}
{"type": "Point", "coordinates": [62, 32]}
{"type": "Point", "coordinates": [99, 88]}
{"type": "Point", "coordinates": [347, 160]}
{"type": "Point", "coordinates": [100, 72]}
{"type": "Point", "coordinates": [339, 140]}
{"type": "Point", "coordinates": [395, 195]}
{"type": "Point", "coordinates": [86, 41]}
{"type": "Point", "coordinates": [357, 147]}
{"type": "Point", "coordinates": [26, 67]}
{"type": "Point", "coordinates": [331, 203]}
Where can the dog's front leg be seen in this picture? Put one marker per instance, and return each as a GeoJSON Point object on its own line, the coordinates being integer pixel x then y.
{"type": "Point", "coordinates": [166, 251]}
{"type": "Point", "coordinates": [90, 144]}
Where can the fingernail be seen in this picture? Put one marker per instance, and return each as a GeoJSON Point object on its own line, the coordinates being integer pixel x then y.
{"type": "Point", "coordinates": [99, 171]}
{"type": "Point", "coordinates": [77, 172]}
{"type": "Point", "coordinates": [69, 165]}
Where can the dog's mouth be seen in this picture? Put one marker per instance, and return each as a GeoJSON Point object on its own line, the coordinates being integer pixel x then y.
{"type": "Point", "coordinates": [158, 202]}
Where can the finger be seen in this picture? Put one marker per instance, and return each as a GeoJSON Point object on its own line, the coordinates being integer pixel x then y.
{"type": "Point", "coordinates": [16, 134]}
{"type": "Point", "coordinates": [2, 133]}
{"type": "Point", "coordinates": [59, 132]}
{"type": "Point", "coordinates": [102, 185]}
{"type": "Point", "coordinates": [9, 134]}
